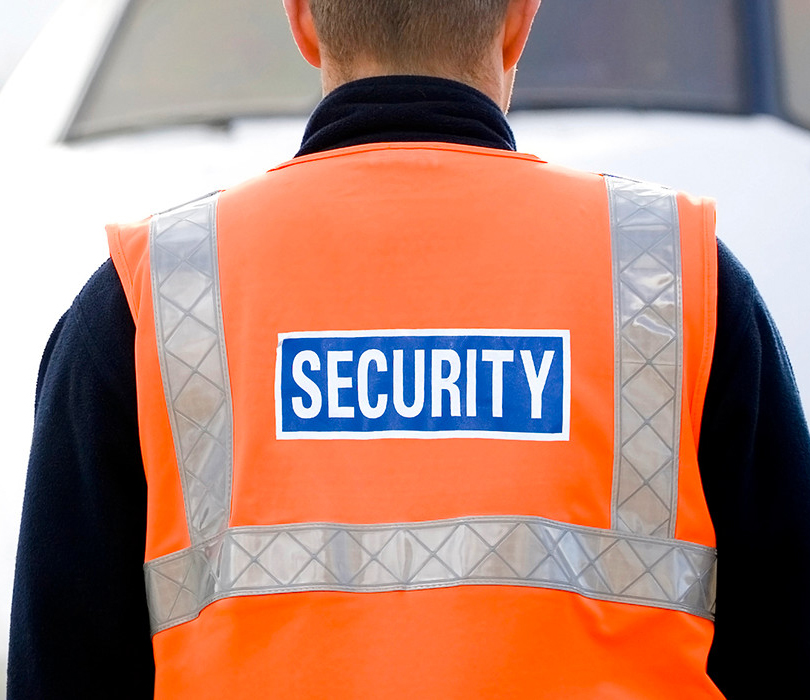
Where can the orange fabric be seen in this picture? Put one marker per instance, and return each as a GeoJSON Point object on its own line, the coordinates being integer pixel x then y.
{"type": "Point", "coordinates": [456, 256]}
{"type": "Point", "coordinates": [699, 271]}
{"type": "Point", "coordinates": [454, 644]}
{"type": "Point", "coordinates": [166, 529]}
{"type": "Point", "coordinates": [341, 241]}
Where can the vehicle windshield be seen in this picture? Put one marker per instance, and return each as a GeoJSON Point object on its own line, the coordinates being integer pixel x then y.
{"type": "Point", "coordinates": [188, 61]}
{"type": "Point", "coordinates": [634, 53]}
{"type": "Point", "coordinates": [206, 61]}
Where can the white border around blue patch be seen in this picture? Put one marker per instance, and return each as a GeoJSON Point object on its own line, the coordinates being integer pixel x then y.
{"type": "Point", "coordinates": [381, 428]}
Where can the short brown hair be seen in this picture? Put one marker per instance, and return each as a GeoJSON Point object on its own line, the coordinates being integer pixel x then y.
{"type": "Point", "coordinates": [409, 35]}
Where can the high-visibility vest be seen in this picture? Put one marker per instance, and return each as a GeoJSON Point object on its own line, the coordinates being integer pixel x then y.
{"type": "Point", "coordinates": [421, 421]}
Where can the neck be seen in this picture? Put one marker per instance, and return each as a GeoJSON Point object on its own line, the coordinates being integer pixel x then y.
{"type": "Point", "coordinates": [406, 109]}
{"type": "Point", "coordinates": [497, 85]}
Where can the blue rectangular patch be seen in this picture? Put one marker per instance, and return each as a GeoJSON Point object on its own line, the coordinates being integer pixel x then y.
{"type": "Point", "coordinates": [497, 384]}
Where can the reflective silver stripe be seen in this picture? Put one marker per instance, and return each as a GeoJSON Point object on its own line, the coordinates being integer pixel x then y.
{"type": "Point", "coordinates": [637, 562]}
{"type": "Point", "coordinates": [191, 346]}
{"type": "Point", "coordinates": [511, 551]}
{"type": "Point", "coordinates": [649, 330]}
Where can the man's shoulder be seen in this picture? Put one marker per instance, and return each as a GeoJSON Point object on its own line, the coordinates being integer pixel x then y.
{"type": "Point", "coordinates": [100, 319]}
{"type": "Point", "coordinates": [738, 299]}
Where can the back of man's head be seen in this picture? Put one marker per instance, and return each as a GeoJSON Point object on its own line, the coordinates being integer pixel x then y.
{"type": "Point", "coordinates": [409, 36]}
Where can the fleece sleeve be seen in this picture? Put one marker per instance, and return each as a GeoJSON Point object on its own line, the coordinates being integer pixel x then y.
{"type": "Point", "coordinates": [79, 623]}
{"type": "Point", "coordinates": [79, 620]}
{"type": "Point", "coordinates": [755, 463]}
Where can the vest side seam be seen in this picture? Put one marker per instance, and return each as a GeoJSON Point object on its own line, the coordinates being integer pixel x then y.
{"type": "Point", "coordinates": [709, 314]}
{"type": "Point", "coordinates": [617, 360]}
{"type": "Point", "coordinates": [223, 358]}
{"type": "Point", "coordinates": [679, 373]}
{"type": "Point", "coordinates": [122, 267]}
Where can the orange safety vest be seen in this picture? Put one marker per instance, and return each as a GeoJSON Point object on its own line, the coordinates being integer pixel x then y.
{"type": "Point", "coordinates": [421, 421]}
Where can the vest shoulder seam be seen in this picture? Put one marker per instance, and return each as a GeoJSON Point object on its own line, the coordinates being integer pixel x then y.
{"type": "Point", "coordinates": [409, 146]}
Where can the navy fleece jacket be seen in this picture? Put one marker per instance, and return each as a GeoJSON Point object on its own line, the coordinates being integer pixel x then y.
{"type": "Point", "coordinates": [79, 620]}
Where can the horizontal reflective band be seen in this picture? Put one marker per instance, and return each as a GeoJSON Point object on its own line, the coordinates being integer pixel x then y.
{"type": "Point", "coordinates": [498, 550]}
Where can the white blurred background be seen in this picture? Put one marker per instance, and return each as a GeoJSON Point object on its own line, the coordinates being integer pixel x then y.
{"type": "Point", "coordinates": [20, 21]}
{"type": "Point", "coordinates": [697, 119]}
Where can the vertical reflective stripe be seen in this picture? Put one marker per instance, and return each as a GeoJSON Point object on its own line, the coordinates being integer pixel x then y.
{"type": "Point", "coordinates": [649, 330]}
{"type": "Point", "coordinates": [191, 347]}
{"type": "Point", "coordinates": [499, 550]}
{"type": "Point", "coordinates": [635, 562]}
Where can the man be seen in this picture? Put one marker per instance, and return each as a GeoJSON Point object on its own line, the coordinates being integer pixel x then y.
{"type": "Point", "coordinates": [420, 417]}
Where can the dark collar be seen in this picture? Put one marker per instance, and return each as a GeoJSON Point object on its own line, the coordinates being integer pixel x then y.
{"type": "Point", "coordinates": [406, 108]}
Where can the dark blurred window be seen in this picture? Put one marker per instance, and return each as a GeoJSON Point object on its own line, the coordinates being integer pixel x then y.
{"type": "Point", "coordinates": [682, 54]}
{"type": "Point", "coordinates": [179, 61]}
{"type": "Point", "coordinates": [209, 61]}
{"type": "Point", "coordinates": [793, 17]}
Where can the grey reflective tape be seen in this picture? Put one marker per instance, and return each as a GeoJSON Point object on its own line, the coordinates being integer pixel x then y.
{"type": "Point", "coordinates": [492, 550]}
{"type": "Point", "coordinates": [637, 562]}
{"type": "Point", "coordinates": [645, 238]}
{"type": "Point", "coordinates": [191, 347]}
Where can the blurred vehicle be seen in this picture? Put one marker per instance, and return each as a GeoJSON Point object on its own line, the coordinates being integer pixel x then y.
{"type": "Point", "coordinates": [127, 107]}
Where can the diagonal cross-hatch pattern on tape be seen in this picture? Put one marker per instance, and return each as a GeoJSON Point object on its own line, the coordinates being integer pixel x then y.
{"type": "Point", "coordinates": [521, 551]}
{"type": "Point", "coordinates": [647, 298]}
{"type": "Point", "coordinates": [636, 561]}
{"type": "Point", "coordinates": [191, 344]}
